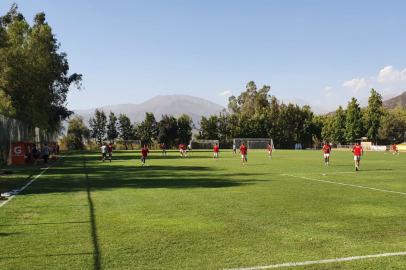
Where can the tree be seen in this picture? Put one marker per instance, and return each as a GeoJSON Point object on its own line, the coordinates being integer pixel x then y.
{"type": "Point", "coordinates": [34, 75]}
{"type": "Point", "coordinates": [147, 130]}
{"type": "Point", "coordinates": [98, 126]}
{"type": "Point", "coordinates": [353, 124]}
{"type": "Point", "coordinates": [209, 128]}
{"type": "Point", "coordinates": [125, 129]}
{"type": "Point", "coordinates": [185, 126]}
{"type": "Point", "coordinates": [77, 134]}
{"type": "Point", "coordinates": [112, 132]}
{"type": "Point", "coordinates": [373, 115]}
{"type": "Point", "coordinates": [339, 125]}
{"type": "Point", "coordinates": [167, 130]}
{"type": "Point", "coordinates": [393, 126]}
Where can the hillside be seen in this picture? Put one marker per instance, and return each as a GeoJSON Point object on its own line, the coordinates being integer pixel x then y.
{"type": "Point", "coordinates": [159, 105]}
{"type": "Point", "coordinates": [398, 101]}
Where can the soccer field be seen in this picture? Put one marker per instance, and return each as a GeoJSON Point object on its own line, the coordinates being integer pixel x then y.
{"type": "Point", "coordinates": [200, 213]}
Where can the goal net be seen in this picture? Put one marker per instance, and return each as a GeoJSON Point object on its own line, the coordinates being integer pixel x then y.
{"type": "Point", "coordinates": [253, 143]}
{"type": "Point", "coordinates": [203, 144]}
{"type": "Point", "coordinates": [127, 144]}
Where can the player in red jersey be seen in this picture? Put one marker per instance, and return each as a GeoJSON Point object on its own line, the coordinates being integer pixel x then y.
{"type": "Point", "coordinates": [244, 152]}
{"type": "Point", "coordinates": [110, 151]}
{"type": "Point", "coordinates": [326, 153]}
{"type": "Point", "coordinates": [358, 152]}
{"type": "Point", "coordinates": [395, 149]}
{"type": "Point", "coordinates": [270, 149]}
{"type": "Point", "coordinates": [182, 150]}
{"type": "Point", "coordinates": [144, 154]}
{"type": "Point", "coordinates": [216, 150]}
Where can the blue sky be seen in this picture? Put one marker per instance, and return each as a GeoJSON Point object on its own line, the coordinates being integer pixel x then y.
{"type": "Point", "coordinates": [317, 52]}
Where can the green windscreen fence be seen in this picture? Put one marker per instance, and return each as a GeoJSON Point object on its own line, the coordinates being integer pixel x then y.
{"type": "Point", "coordinates": [12, 130]}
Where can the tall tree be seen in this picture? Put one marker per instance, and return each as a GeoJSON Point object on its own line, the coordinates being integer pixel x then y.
{"type": "Point", "coordinates": [112, 132]}
{"type": "Point", "coordinates": [373, 115]}
{"type": "Point", "coordinates": [125, 129]}
{"type": "Point", "coordinates": [77, 134]}
{"type": "Point", "coordinates": [34, 74]}
{"type": "Point", "coordinates": [167, 130]}
{"type": "Point", "coordinates": [98, 126]}
{"type": "Point", "coordinates": [209, 128]}
{"type": "Point", "coordinates": [339, 124]}
{"type": "Point", "coordinates": [353, 124]}
{"type": "Point", "coordinates": [147, 130]}
{"type": "Point", "coordinates": [185, 126]}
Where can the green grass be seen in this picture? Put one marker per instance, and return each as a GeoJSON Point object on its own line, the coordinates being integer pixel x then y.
{"type": "Point", "coordinates": [199, 213]}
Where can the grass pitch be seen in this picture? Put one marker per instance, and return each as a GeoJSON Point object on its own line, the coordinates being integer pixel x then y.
{"type": "Point", "coordinates": [200, 213]}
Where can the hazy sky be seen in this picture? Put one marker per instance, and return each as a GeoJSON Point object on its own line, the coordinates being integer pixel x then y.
{"type": "Point", "coordinates": [320, 52]}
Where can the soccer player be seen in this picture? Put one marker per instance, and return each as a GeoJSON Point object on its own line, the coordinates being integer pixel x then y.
{"type": "Point", "coordinates": [182, 150]}
{"type": "Point", "coordinates": [395, 149]}
{"type": "Point", "coordinates": [144, 154]}
{"type": "Point", "coordinates": [103, 150]}
{"type": "Point", "coordinates": [326, 153]}
{"type": "Point", "coordinates": [110, 151]}
{"type": "Point", "coordinates": [269, 147]}
{"type": "Point", "coordinates": [243, 152]}
{"type": "Point", "coordinates": [216, 150]}
{"type": "Point", "coordinates": [234, 149]}
{"type": "Point", "coordinates": [358, 152]}
{"type": "Point", "coordinates": [163, 149]}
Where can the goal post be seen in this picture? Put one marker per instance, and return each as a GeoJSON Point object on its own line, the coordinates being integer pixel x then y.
{"type": "Point", "coordinates": [203, 144]}
{"type": "Point", "coordinates": [253, 143]}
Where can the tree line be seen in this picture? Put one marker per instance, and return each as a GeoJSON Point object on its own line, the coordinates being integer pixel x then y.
{"type": "Point", "coordinates": [256, 114]}
{"type": "Point", "coordinates": [102, 128]}
{"type": "Point", "coordinates": [34, 74]}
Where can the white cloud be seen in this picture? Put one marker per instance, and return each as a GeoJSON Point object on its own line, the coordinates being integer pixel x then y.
{"type": "Point", "coordinates": [356, 84]}
{"type": "Point", "coordinates": [388, 74]}
{"type": "Point", "coordinates": [328, 91]}
{"type": "Point", "coordinates": [225, 93]}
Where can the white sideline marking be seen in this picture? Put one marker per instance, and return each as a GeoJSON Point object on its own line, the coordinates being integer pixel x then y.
{"type": "Point", "coordinates": [24, 187]}
{"type": "Point", "coordinates": [346, 259]}
{"type": "Point", "coordinates": [344, 184]}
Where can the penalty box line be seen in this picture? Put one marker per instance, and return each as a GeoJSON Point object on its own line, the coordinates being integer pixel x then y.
{"type": "Point", "coordinates": [26, 185]}
{"type": "Point", "coordinates": [344, 184]}
{"type": "Point", "coordinates": [326, 261]}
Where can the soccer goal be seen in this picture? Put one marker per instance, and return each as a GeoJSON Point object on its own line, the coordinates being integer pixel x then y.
{"type": "Point", "coordinates": [127, 144]}
{"type": "Point", "coordinates": [253, 143]}
{"type": "Point", "coordinates": [204, 144]}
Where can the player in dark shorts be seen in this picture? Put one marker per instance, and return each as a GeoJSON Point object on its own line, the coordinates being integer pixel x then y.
{"type": "Point", "coordinates": [110, 151]}
{"type": "Point", "coordinates": [163, 148]}
{"type": "Point", "coordinates": [144, 154]}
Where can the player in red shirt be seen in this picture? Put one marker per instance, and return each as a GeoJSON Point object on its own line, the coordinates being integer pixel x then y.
{"type": "Point", "coordinates": [326, 153]}
{"type": "Point", "coordinates": [216, 150]}
{"type": "Point", "coordinates": [244, 151]}
{"type": "Point", "coordinates": [110, 151]}
{"type": "Point", "coordinates": [269, 148]}
{"type": "Point", "coordinates": [395, 149]}
{"type": "Point", "coordinates": [182, 149]}
{"type": "Point", "coordinates": [144, 154]}
{"type": "Point", "coordinates": [358, 152]}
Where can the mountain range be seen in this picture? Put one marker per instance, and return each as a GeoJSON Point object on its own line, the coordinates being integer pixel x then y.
{"type": "Point", "coordinates": [398, 101]}
{"type": "Point", "coordinates": [164, 104]}
{"type": "Point", "coordinates": [193, 106]}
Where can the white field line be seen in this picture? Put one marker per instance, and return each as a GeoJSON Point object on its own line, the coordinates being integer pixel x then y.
{"type": "Point", "coordinates": [344, 184]}
{"type": "Point", "coordinates": [346, 259]}
{"type": "Point", "coordinates": [24, 187]}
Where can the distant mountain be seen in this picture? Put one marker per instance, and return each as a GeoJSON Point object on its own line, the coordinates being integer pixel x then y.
{"type": "Point", "coordinates": [166, 104]}
{"type": "Point", "coordinates": [398, 101]}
